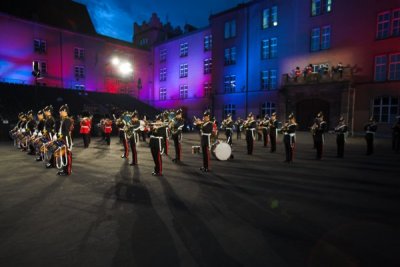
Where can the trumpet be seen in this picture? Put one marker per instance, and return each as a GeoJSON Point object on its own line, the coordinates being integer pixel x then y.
{"type": "Point", "coordinates": [197, 121]}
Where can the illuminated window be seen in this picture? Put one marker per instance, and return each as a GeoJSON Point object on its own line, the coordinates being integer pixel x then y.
{"type": "Point", "coordinates": [265, 52]}
{"type": "Point", "coordinates": [267, 108]}
{"type": "Point", "coordinates": [183, 51]}
{"type": "Point", "coordinates": [39, 46]}
{"type": "Point", "coordinates": [163, 55]}
{"type": "Point", "coordinates": [383, 25]}
{"type": "Point", "coordinates": [207, 89]}
{"type": "Point", "coordinates": [207, 66]}
{"type": "Point", "coordinates": [79, 53]}
{"type": "Point", "coordinates": [183, 91]}
{"type": "Point", "coordinates": [319, 7]}
{"type": "Point", "coordinates": [315, 39]}
{"type": "Point", "coordinates": [381, 68]}
{"type": "Point", "coordinates": [396, 22]}
{"type": "Point", "coordinates": [229, 109]}
{"type": "Point", "coordinates": [394, 67]}
{"type": "Point", "coordinates": [326, 37]}
{"type": "Point", "coordinates": [79, 72]}
{"type": "Point", "coordinates": [230, 29]}
{"type": "Point", "coordinates": [274, 47]}
{"type": "Point", "coordinates": [183, 70]}
{"type": "Point", "coordinates": [40, 67]}
{"type": "Point", "coordinates": [79, 86]}
{"type": "Point", "coordinates": [270, 17]}
{"type": "Point", "coordinates": [230, 56]}
{"type": "Point", "coordinates": [163, 93]}
{"type": "Point", "coordinates": [163, 74]}
{"type": "Point", "coordinates": [207, 43]}
{"type": "Point", "coordinates": [230, 84]}
{"type": "Point", "coordinates": [269, 79]}
{"type": "Point", "coordinates": [385, 109]}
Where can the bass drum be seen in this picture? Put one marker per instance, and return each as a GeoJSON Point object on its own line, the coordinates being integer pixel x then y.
{"type": "Point", "coordinates": [221, 150]}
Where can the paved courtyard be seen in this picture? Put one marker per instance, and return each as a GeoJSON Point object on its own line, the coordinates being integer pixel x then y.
{"type": "Point", "coordinates": [249, 211]}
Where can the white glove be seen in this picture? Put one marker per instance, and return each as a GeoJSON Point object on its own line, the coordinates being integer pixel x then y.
{"type": "Point", "coordinates": [40, 134]}
{"type": "Point", "coordinates": [55, 137]}
{"type": "Point", "coordinates": [23, 130]}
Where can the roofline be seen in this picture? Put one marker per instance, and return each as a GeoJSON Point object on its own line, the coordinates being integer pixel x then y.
{"type": "Point", "coordinates": [182, 35]}
{"type": "Point", "coordinates": [239, 6]}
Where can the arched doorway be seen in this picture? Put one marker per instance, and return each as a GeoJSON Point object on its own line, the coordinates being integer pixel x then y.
{"type": "Point", "coordinates": [307, 110]}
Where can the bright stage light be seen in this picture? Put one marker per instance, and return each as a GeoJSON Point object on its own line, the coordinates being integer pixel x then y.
{"type": "Point", "coordinates": [125, 68]}
{"type": "Point", "coordinates": [115, 61]}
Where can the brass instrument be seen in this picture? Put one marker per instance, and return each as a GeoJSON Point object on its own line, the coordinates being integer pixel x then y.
{"type": "Point", "coordinates": [225, 122]}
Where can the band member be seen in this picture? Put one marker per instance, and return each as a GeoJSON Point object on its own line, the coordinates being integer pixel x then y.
{"type": "Point", "coordinates": [289, 137]}
{"type": "Point", "coordinates": [239, 125]}
{"type": "Point", "coordinates": [49, 132]}
{"type": "Point", "coordinates": [157, 134]}
{"type": "Point", "coordinates": [132, 133]}
{"type": "Point", "coordinates": [86, 126]}
{"type": "Point", "coordinates": [64, 134]}
{"type": "Point", "coordinates": [264, 124]}
{"type": "Point", "coordinates": [167, 133]}
{"type": "Point", "coordinates": [273, 131]}
{"type": "Point", "coordinates": [29, 130]}
{"type": "Point", "coordinates": [108, 129]}
{"type": "Point", "coordinates": [15, 131]}
{"type": "Point", "coordinates": [227, 124]}
{"type": "Point", "coordinates": [259, 128]}
{"type": "Point", "coordinates": [319, 133]}
{"type": "Point", "coordinates": [370, 129]}
{"type": "Point", "coordinates": [396, 135]}
{"type": "Point", "coordinates": [341, 132]}
{"type": "Point", "coordinates": [250, 126]}
{"type": "Point", "coordinates": [312, 130]}
{"type": "Point", "coordinates": [38, 133]}
{"type": "Point", "coordinates": [122, 127]}
{"type": "Point", "coordinates": [206, 129]}
{"type": "Point", "coordinates": [176, 126]}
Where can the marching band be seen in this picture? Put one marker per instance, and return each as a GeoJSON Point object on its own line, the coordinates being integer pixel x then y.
{"type": "Point", "coordinates": [52, 142]}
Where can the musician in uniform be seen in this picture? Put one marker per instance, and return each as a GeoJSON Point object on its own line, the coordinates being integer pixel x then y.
{"type": "Point", "coordinates": [206, 129]}
{"type": "Point", "coordinates": [107, 129]}
{"type": "Point", "coordinates": [239, 125]}
{"type": "Point", "coordinates": [370, 129]}
{"type": "Point", "coordinates": [264, 124]}
{"type": "Point", "coordinates": [38, 133]}
{"type": "Point", "coordinates": [341, 132]}
{"type": "Point", "coordinates": [319, 133]}
{"type": "Point", "coordinates": [29, 130]}
{"type": "Point", "coordinates": [157, 134]}
{"type": "Point", "coordinates": [49, 131]}
{"type": "Point", "coordinates": [273, 131]}
{"type": "Point", "coordinates": [133, 130]}
{"type": "Point", "coordinates": [64, 134]}
{"type": "Point", "coordinates": [176, 126]}
{"type": "Point", "coordinates": [166, 139]}
{"type": "Point", "coordinates": [396, 135]}
{"type": "Point", "coordinates": [121, 125]}
{"type": "Point", "coordinates": [250, 126]}
{"type": "Point", "coordinates": [289, 137]}
{"type": "Point", "coordinates": [85, 128]}
{"type": "Point", "coordinates": [227, 124]}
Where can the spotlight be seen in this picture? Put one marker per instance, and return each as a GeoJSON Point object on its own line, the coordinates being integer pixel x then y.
{"type": "Point", "coordinates": [125, 68]}
{"type": "Point", "coordinates": [115, 61]}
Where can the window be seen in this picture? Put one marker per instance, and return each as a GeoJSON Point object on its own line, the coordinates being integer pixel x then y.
{"type": "Point", "coordinates": [326, 37]}
{"type": "Point", "coordinates": [79, 72]}
{"type": "Point", "coordinates": [269, 48]}
{"type": "Point", "coordinates": [380, 68]}
{"type": "Point", "coordinates": [163, 93]}
{"type": "Point", "coordinates": [320, 39]}
{"type": "Point", "coordinates": [315, 39]}
{"type": "Point", "coordinates": [230, 56]}
{"type": "Point", "coordinates": [208, 43]}
{"type": "Point", "coordinates": [79, 53]}
{"type": "Point", "coordinates": [39, 46]}
{"type": "Point", "coordinates": [274, 47]}
{"type": "Point", "coordinates": [230, 83]}
{"type": "Point", "coordinates": [79, 87]}
{"type": "Point", "coordinates": [183, 52]}
{"type": "Point", "coordinates": [207, 89]}
{"type": "Point", "coordinates": [265, 53]}
{"type": "Point", "coordinates": [267, 108]}
{"type": "Point", "coordinates": [207, 66]}
{"type": "Point", "coordinates": [183, 70]}
{"type": "Point", "coordinates": [396, 22]}
{"type": "Point", "coordinates": [319, 7]}
{"type": "Point", "coordinates": [385, 109]}
{"type": "Point", "coordinates": [143, 42]}
{"type": "Point", "coordinates": [269, 79]}
{"type": "Point", "coordinates": [183, 91]}
{"type": "Point", "coordinates": [270, 17]}
{"type": "Point", "coordinates": [229, 109]}
{"type": "Point", "coordinates": [40, 67]}
{"type": "Point", "coordinates": [383, 25]}
{"type": "Point", "coordinates": [230, 29]}
{"type": "Point", "coordinates": [163, 55]}
{"type": "Point", "coordinates": [163, 74]}
{"type": "Point", "coordinates": [394, 67]}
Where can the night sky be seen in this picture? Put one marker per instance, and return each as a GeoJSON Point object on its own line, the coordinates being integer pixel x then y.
{"type": "Point", "coordinates": [115, 18]}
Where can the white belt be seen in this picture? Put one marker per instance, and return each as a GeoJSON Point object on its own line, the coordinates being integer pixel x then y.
{"type": "Point", "coordinates": [229, 129]}
{"type": "Point", "coordinates": [253, 132]}
{"type": "Point", "coordinates": [84, 126]}
{"type": "Point", "coordinates": [108, 127]}
{"type": "Point", "coordinates": [290, 134]}
{"type": "Point", "coordinates": [209, 139]}
{"type": "Point", "coordinates": [159, 142]}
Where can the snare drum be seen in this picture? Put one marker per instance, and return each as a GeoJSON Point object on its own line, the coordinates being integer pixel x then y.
{"type": "Point", "coordinates": [221, 150]}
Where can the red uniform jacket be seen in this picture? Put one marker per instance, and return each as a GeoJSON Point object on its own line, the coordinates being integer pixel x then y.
{"type": "Point", "coordinates": [86, 125]}
{"type": "Point", "coordinates": [108, 126]}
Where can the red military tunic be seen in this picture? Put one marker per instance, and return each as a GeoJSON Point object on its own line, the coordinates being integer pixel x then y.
{"type": "Point", "coordinates": [86, 125]}
{"type": "Point", "coordinates": [108, 126]}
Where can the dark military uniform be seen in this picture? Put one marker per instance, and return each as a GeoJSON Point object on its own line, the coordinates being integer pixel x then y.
{"type": "Point", "coordinates": [64, 133]}
{"type": "Point", "coordinates": [134, 130]}
{"type": "Point", "coordinates": [341, 132]}
{"type": "Point", "coordinates": [289, 138]}
{"type": "Point", "coordinates": [370, 130]}
{"type": "Point", "coordinates": [206, 130]}
{"type": "Point", "coordinates": [250, 127]}
{"type": "Point", "coordinates": [176, 133]}
{"type": "Point", "coordinates": [157, 135]}
{"type": "Point", "coordinates": [396, 136]}
{"type": "Point", "coordinates": [265, 129]}
{"type": "Point", "coordinates": [273, 132]}
{"type": "Point", "coordinates": [239, 124]}
{"type": "Point", "coordinates": [320, 137]}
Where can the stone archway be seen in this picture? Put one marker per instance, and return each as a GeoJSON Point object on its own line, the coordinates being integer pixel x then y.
{"type": "Point", "coordinates": [307, 110]}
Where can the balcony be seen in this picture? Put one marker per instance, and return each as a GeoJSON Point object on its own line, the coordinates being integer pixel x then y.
{"type": "Point", "coordinates": [318, 77]}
